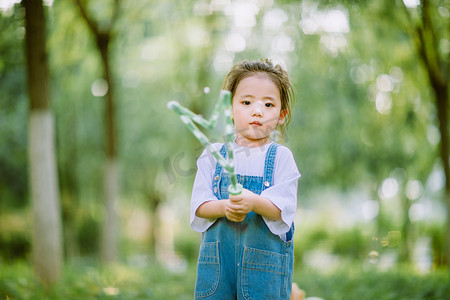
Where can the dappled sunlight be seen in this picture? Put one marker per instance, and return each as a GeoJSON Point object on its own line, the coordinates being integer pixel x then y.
{"type": "Point", "coordinates": [436, 180]}
{"type": "Point", "coordinates": [111, 291]}
{"type": "Point", "coordinates": [99, 87]}
{"type": "Point", "coordinates": [243, 13]}
{"type": "Point", "coordinates": [223, 60]}
{"type": "Point", "coordinates": [414, 189]}
{"type": "Point", "coordinates": [411, 3]}
{"type": "Point", "coordinates": [362, 73]}
{"type": "Point", "coordinates": [283, 43]}
{"type": "Point", "coordinates": [235, 42]}
{"type": "Point", "coordinates": [332, 44]}
{"type": "Point", "coordinates": [385, 83]}
{"type": "Point", "coordinates": [416, 212]}
{"type": "Point", "coordinates": [389, 188]}
{"type": "Point", "coordinates": [365, 134]}
{"type": "Point", "coordinates": [7, 5]}
{"type": "Point", "coordinates": [330, 24]}
{"type": "Point", "coordinates": [383, 103]}
{"type": "Point", "coordinates": [370, 209]}
{"type": "Point", "coordinates": [331, 21]}
{"type": "Point", "coordinates": [322, 260]}
{"type": "Point", "coordinates": [197, 37]}
{"type": "Point", "coordinates": [274, 19]}
{"type": "Point", "coordinates": [433, 135]}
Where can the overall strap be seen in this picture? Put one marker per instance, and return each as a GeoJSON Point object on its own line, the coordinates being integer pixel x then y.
{"type": "Point", "coordinates": [218, 172]}
{"type": "Point", "coordinates": [269, 165]}
{"type": "Point", "coordinates": [268, 178]}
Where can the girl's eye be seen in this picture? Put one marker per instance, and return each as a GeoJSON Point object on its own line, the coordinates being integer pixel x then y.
{"type": "Point", "coordinates": [246, 102]}
{"type": "Point", "coordinates": [269, 105]}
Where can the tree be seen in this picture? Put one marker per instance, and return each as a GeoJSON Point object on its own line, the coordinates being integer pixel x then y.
{"type": "Point", "coordinates": [47, 246]}
{"type": "Point", "coordinates": [103, 34]}
{"type": "Point", "coordinates": [426, 34]}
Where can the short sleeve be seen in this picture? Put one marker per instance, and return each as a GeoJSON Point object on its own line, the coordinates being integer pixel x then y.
{"type": "Point", "coordinates": [283, 193]}
{"type": "Point", "coordinates": [202, 190]}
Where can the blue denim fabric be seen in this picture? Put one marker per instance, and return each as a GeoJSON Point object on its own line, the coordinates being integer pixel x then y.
{"type": "Point", "coordinates": [244, 260]}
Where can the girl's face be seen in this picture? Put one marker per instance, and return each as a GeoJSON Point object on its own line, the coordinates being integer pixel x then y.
{"type": "Point", "coordinates": [256, 110]}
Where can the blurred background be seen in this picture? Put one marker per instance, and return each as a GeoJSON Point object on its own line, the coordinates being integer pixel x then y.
{"type": "Point", "coordinates": [369, 134]}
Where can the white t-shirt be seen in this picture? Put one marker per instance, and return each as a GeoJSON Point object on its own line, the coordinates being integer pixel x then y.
{"type": "Point", "coordinates": [250, 161]}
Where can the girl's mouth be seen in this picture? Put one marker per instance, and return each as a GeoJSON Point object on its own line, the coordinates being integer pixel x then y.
{"type": "Point", "coordinates": [256, 123]}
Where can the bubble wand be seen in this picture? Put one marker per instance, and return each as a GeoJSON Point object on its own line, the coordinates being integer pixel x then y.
{"type": "Point", "coordinates": [188, 118]}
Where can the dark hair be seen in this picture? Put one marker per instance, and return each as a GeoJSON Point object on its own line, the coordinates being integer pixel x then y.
{"type": "Point", "coordinates": [265, 67]}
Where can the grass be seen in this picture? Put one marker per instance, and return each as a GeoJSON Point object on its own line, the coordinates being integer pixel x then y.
{"type": "Point", "coordinates": [121, 281]}
{"type": "Point", "coordinates": [94, 282]}
{"type": "Point", "coordinates": [356, 283]}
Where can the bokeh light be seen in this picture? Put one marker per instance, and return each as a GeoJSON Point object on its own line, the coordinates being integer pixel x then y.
{"type": "Point", "coordinates": [411, 3]}
{"type": "Point", "coordinates": [389, 188]}
{"type": "Point", "coordinates": [235, 42]}
{"type": "Point", "coordinates": [371, 209]}
{"type": "Point", "coordinates": [99, 87]}
{"type": "Point", "coordinates": [274, 19]}
{"type": "Point", "coordinates": [414, 189]}
{"type": "Point", "coordinates": [383, 103]}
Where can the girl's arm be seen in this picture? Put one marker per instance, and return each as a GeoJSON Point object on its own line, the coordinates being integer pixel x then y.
{"type": "Point", "coordinates": [215, 209]}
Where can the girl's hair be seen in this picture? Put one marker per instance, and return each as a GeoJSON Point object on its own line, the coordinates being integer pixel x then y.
{"type": "Point", "coordinates": [265, 67]}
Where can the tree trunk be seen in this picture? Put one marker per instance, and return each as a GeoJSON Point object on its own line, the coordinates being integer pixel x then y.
{"type": "Point", "coordinates": [426, 42]}
{"type": "Point", "coordinates": [405, 233]}
{"type": "Point", "coordinates": [103, 36]}
{"type": "Point", "coordinates": [111, 191]}
{"type": "Point", "coordinates": [110, 226]}
{"type": "Point", "coordinates": [46, 235]}
{"type": "Point", "coordinates": [154, 200]}
{"type": "Point", "coordinates": [442, 109]}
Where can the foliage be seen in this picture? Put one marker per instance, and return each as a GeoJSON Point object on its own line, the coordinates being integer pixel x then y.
{"type": "Point", "coordinates": [84, 281]}
{"type": "Point", "coordinates": [15, 238]}
{"type": "Point", "coordinates": [152, 281]}
{"type": "Point", "coordinates": [13, 108]}
{"type": "Point", "coordinates": [172, 50]}
{"type": "Point", "coordinates": [188, 245]}
{"type": "Point", "coordinates": [359, 283]}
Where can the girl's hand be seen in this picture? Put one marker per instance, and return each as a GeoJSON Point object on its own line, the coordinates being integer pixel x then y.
{"type": "Point", "coordinates": [234, 217]}
{"type": "Point", "coordinates": [242, 203]}
{"type": "Point", "coordinates": [239, 206]}
{"type": "Point", "coordinates": [247, 201]}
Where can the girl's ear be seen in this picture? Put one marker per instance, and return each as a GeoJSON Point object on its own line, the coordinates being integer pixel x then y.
{"type": "Point", "coordinates": [283, 114]}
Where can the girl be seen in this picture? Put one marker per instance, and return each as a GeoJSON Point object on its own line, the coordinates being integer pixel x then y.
{"type": "Point", "coordinates": [247, 240]}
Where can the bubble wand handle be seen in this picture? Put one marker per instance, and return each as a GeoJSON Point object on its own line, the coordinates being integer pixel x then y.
{"type": "Point", "coordinates": [188, 118]}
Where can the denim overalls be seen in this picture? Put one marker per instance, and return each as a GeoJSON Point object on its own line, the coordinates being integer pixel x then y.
{"type": "Point", "coordinates": [244, 260]}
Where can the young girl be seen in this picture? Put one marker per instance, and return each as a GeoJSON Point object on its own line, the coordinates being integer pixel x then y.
{"type": "Point", "coordinates": [247, 240]}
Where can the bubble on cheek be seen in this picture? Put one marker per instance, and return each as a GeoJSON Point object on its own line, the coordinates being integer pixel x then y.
{"type": "Point", "coordinates": [275, 136]}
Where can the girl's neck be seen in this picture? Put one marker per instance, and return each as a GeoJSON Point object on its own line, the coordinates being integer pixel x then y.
{"type": "Point", "coordinates": [243, 142]}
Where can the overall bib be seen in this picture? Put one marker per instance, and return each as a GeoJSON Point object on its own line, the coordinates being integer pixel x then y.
{"type": "Point", "coordinates": [244, 260]}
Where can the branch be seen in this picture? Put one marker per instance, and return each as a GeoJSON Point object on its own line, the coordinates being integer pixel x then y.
{"type": "Point", "coordinates": [115, 14]}
{"type": "Point", "coordinates": [90, 21]}
{"type": "Point", "coordinates": [431, 44]}
{"type": "Point", "coordinates": [423, 36]}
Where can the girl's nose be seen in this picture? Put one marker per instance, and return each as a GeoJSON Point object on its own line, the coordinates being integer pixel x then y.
{"type": "Point", "coordinates": [256, 114]}
{"type": "Point", "coordinates": [257, 111]}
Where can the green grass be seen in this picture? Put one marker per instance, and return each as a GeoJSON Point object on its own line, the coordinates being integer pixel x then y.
{"type": "Point", "coordinates": [356, 283]}
{"type": "Point", "coordinates": [155, 282]}
{"type": "Point", "coordinates": [87, 282]}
